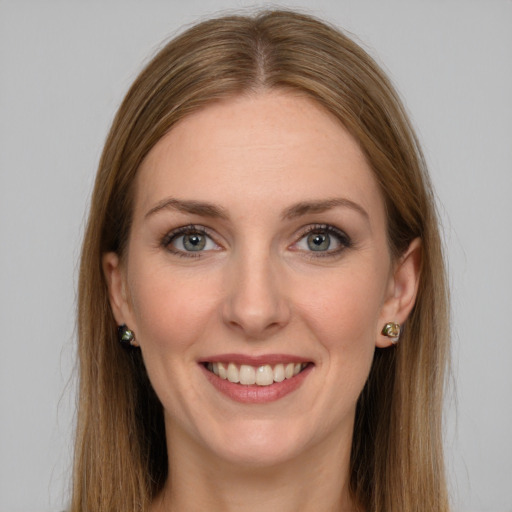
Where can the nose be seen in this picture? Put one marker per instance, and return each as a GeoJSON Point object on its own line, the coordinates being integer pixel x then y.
{"type": "Point", "coordinates": [255, 302]}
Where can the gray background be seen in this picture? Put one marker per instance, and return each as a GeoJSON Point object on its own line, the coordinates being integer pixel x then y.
{"type": "Point", "coordinates": [64, 67]}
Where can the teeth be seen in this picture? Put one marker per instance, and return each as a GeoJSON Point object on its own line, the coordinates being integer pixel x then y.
{"type": "Point", "coordinates": [279, 373]}
{"type": "Point", "coordinates": [263, 375]}
{"type": "Point", "coordinates": [247, 375]}
{"type": "Point", "coordinates": [223, 373]}
{"type": "Point", "coordinates": [232, 374]}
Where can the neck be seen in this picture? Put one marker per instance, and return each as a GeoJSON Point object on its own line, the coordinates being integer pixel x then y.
{"type": "Point", "coordinates": [316, 481]}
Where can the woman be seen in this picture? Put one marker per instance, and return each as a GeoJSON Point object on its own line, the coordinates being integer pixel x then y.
{"type": "Point", "coordinates": [262, 304]}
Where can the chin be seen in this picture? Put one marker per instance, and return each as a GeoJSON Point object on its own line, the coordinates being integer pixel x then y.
{"type": "Point", "coordinates": [258, 444]}
{"type": "Point", "coordinates": [261, 453]}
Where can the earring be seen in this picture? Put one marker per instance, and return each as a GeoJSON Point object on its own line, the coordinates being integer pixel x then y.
{"type": "Point", "coordinates": [392, 331]}
{"type": "Point", "coordinates": [126, 336]}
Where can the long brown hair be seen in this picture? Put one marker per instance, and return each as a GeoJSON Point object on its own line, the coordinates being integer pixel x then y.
{"type": "Point", "coordinates": [396, 462]}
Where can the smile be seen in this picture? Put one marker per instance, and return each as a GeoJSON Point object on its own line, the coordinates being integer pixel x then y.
{"type": "Point", "coordinates": [262, 375]}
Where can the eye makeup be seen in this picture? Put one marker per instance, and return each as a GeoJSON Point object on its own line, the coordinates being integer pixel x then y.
{"type": "Point", "coordinates": [189, 241]}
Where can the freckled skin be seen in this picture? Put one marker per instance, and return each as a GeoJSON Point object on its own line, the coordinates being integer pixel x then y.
{"type": "Point", "coordinates": [258, 289]}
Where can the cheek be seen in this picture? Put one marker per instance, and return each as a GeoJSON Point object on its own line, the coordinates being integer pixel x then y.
{"type": "Point", "coordinates": [171, 313]}
{"type": "Point", "coordinates": [170, 310]}
{"type": "Point", "coordinates": [344, 314]}
{"type": "Point", "coordinates": [346, 330]}
{"type": "Point", "coordinates": [345, 306]}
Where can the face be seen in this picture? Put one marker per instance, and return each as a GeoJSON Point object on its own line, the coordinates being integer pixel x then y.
{"type": "Point", "coordinates": [257, 279]}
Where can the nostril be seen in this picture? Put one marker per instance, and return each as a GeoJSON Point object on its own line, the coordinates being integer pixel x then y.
{"type": "Point", "coordinates": [256, 319]}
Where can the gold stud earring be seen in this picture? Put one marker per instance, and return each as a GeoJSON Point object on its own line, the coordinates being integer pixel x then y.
{"type": "Point", "coordinates": [392, 331]}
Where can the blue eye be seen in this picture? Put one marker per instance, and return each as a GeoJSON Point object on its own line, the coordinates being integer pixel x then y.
{"type": "Point", "coordinates": [323, 239]}
{"type": "Point", "coordinates": [189, 239]}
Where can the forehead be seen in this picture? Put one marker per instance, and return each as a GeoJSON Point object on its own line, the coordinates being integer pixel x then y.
{"type": "Point", "coordinates": [267, 148]}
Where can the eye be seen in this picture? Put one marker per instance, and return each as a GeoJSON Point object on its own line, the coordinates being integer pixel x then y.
{"type": "Point", "coordinates": [318, 241]}
{"type": "Point", "coordinates": [323, 239]}
{"type": "Point", "coordinates": [189, 239]}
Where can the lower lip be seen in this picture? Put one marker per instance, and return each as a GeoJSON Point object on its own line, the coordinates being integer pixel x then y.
{"type": "Point", "coordinates": [253, 394]}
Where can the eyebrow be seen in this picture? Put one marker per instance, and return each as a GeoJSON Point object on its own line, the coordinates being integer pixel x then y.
{"type": "Point", "coordinates": [194, 207]}
{"type": "Point", "coordinates": [308, 207]}
{"type": "Point", "coordinates": [205, 209]}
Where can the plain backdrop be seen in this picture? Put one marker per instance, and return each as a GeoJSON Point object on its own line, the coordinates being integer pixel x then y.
{"type": "Point", "coordinates": [64, 67]}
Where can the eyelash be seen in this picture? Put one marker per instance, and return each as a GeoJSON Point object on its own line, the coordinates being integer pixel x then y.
{"type": "Point", "coordinates": [343, 239]}
{"type": "Point", "coordinates": [191, 229]}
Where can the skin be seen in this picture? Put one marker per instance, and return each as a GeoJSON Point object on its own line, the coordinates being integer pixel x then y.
{"type": "Point", "coordinates": [257, 288]}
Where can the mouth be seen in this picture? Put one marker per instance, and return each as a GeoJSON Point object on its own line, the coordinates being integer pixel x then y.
{"type": "Point", "coordinates": [260, 375]}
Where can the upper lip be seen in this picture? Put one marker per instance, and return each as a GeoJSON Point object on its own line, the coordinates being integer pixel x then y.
{"type": "Point", "coordinates": [271, 359]}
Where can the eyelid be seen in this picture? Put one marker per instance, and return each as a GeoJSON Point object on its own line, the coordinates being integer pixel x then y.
{"type": "Point", "coordinates": [344, 240]}
{"type": "Point", "coordinates": [172, 235]}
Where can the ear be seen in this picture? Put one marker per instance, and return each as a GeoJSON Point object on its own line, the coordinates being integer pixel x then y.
{"type": "Point", "coordinates": [402, 291]}
{"type": "Point", "coordinates": [118, 297]}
